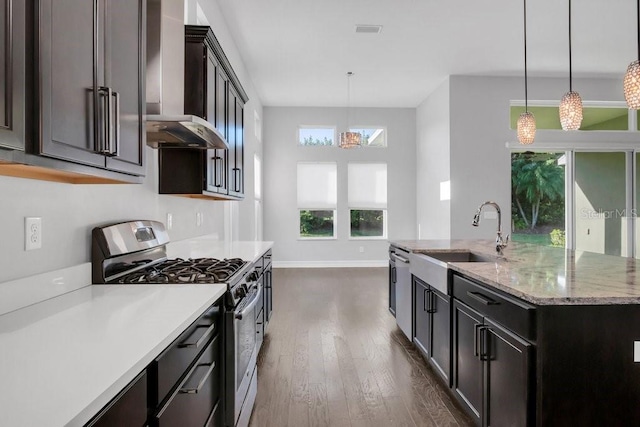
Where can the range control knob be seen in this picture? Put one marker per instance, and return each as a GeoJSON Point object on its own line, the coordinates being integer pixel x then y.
{"type": "Point", "coordinates": [240, 292]}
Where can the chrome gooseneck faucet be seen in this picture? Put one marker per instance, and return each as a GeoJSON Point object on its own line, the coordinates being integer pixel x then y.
{"type": "Point", "coordinates": [500, 242]}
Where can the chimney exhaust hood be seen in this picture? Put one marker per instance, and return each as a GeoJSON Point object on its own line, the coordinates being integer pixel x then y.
{"type": "Point", "coordinates": [167, 125]}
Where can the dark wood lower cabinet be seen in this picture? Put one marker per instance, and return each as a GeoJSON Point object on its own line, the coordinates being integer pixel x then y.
{"type": "Point", "coordinates": [508, 366]}
{"type": "Point", "coordinates": [432, 326]}
{"type": "Point", "coordinates": [181, 387]}
{"type": "Point", "coordinates": [493, 367]}
{"type": "Point", "coordinates": [127, 409]}
{"type": "Point", "coordinates": [467, 366]}
{"type": "Point", "coordinates": [440, 343]}
{"type": "Point", "coordinates": [195, 398]}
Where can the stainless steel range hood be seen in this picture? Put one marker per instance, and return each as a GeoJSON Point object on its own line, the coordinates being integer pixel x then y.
{"type": "Point", "coordinates": [167, 125]}
{"type": "Point", "coordinates": [183, 132]}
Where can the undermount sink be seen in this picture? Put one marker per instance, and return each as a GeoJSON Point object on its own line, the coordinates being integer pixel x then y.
{"type": "Point", "coordinates": [461, 257]}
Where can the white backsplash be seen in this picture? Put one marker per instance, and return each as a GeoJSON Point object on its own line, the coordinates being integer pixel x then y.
{"type": "Point", "coordinates": [69, 212]}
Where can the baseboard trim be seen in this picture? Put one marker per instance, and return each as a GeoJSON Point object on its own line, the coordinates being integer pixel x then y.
{"type": "Point", "coordinates": [330, 264]}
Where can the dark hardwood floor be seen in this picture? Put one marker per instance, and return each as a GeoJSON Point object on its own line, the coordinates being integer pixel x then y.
{"type": "Point", "coordinates": [333, 356]}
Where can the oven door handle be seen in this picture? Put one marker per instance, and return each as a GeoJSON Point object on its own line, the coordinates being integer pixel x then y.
{"type": "Point", "coordinates": [250, 306]}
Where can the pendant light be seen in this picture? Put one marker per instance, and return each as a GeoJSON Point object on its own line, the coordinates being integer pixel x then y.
{"type": "Point", "coordinates": [526, 122]}
{"type": "Point", "coordinates": [632, 78]}
{"type": "Point", "coordinates": [571, 103]}
{"type": "Point", "coordinates": [349, 139]}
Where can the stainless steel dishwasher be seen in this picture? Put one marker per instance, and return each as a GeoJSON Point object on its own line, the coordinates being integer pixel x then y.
{"type": "Point", "coordinates": [399, 259]}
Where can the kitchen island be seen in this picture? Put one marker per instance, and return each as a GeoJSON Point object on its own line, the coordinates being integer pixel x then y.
{"type": "Point", "coordinates": [538, 335]}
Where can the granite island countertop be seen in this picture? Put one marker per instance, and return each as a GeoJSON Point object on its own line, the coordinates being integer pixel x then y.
{"type": "Point", "coordinates": [543, 275]}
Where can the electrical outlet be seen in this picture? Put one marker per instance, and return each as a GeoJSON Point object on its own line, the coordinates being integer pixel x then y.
{"type": "Point", "coordinates": [636, 351]}
{"type": "Point", "coordinates": [169, 221]}
{"type": "Point", "coordinates": [361, 249]}
{"type": "Point", "coordinates": [198, 219]}
{"type": "Point", "coordinates": [32, 233]}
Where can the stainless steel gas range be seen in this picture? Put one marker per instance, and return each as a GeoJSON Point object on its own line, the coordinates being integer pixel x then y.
{"type": "Point", "coordinates": [134, 253]}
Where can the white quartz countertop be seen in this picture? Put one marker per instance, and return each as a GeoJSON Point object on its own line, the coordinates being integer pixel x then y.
{"type": "Point", "coordinates": [63, 359]}
{"type": "Point", "coordinates": [72, 347]}
{"type": "Point", "coordinates": [544, 275]}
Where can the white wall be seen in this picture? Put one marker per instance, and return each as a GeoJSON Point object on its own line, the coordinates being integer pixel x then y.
{"type": "Point", "coordinates": [69, 212]}
{"type": "Point", "coordinates": [282, 154]}
{"type": "Point", "coordinates": [433, 164]}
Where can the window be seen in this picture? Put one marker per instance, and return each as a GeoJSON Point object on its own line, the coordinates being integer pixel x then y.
{"type": "Point", "coordinates": [311, 136]}
{"type": "Point", "coordinates": [594, 117]}
{"type": "Point", "coordinates": [317, 200]}
{"type": "Point", "coordinates": [372, 136]}
{"type": "Point", "coordinates": [368, 200]}
{"type": "Point", "coordinates": [538, 198]}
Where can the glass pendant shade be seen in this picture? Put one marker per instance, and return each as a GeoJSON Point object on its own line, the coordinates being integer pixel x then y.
{"type": "Point", "coordinates": [349, 140]}
{"type": "Point", "coordinates": [526, 128]}
{"type": "Point", "coordinates": [571, 111]}
{"type": "Point", "coordinates": [631, 85]}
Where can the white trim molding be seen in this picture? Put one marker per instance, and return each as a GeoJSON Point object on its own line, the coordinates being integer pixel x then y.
{"type": "Point", "coordinates": [331, 264]}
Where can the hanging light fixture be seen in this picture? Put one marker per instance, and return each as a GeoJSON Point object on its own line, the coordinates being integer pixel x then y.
{"type": "Point", "coordinates": [349, 139]}
{"type": "Point", "coordinates": [632, 78]}
{"type": "Point", "coordinates": [526, 122]}
{"type": "Point", "coordinates": [571, 103]}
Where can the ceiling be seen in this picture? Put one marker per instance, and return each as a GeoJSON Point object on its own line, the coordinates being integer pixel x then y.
{"type": "Point", "coordinates": [299, 51]}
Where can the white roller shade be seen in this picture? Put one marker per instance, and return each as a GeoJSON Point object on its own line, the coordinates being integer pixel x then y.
{"type": "Point", "coordinates": [317, 185]}
{"type": "Point", "coordinates": [368, 185]}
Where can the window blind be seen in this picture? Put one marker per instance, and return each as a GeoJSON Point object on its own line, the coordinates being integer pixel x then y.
{"type": "Point", "coordinates": [367, 185]}
{"type": "Point", "coordinates": [317, 185]}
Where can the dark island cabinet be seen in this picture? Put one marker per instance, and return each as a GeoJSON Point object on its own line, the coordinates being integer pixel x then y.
{"type": "Point", "coordinates": [90, 79]}
{"type": "Point", "coordinates": [432, 326]}
{"type": "Point", "coordinates": [493, 364]}
{"type": "Point", "coordinates": [213, 92]}
{"type": "Point", "coordinates": [467, 366]}
{"type": "Point", "coordinates": [12, 73]}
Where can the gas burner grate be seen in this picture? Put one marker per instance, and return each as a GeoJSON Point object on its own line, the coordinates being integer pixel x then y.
{"type": "Point", "coordinates": [199, 270]}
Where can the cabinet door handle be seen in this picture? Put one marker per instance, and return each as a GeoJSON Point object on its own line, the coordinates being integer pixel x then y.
{"type": "Point", "coordinates": [476, 341]}
{"type": "Point", "coordinates": [236, 180]}
{"type": "Point", "coordinates": [216, 171]}
{"type": "Point", "coordinates": [107, 94]}
{"type": "Point", "coordinates": [482, 298]}
{"type": "Point", "coordinates": [201, 340]}
{"type": "Point", "coordinates": [200, 384]}
{"type": "Point", "coordinates": [394, 278]}
{"type": "Point", "coordinates": [484, 341]}
{"type": "Point", "coordinates": [432, 302]}
{"type": "Point", "coordinates": [426, 299]}
{"type": "Point", "coordinates": [116, 132]}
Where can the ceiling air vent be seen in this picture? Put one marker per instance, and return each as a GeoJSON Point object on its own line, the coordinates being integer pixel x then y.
{"type": "Point", "coordinates": [368, 29]}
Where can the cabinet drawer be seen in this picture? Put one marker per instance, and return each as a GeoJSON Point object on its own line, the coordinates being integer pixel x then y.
{"type": "Point", "coordinates": [515, 315]}
{"type": "Point", "coordinates": [174, 361]}
{"type": "Point", "coordinates": [129, 408]}
{"type": "Point", "coordinates": [196, 396]}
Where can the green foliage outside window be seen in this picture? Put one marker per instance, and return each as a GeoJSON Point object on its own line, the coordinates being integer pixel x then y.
{"type": "Point", "coordinates": [310, 140]}
{"type": "Point", "coordinates": [367, 223]}
{"type": "Point", "coordinates": [316, 223]}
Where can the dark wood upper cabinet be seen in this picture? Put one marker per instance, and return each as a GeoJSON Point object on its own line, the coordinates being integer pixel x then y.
{"type": "Point", "coordinates": [91, 82]}
{"type": "Point", "coordinates": [12, 73]}
{"type": "Point", "coordinates": [213, 92]}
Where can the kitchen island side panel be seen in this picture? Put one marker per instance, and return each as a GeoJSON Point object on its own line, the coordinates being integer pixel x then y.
{"type": "Point", "coordinates": [586, 374]}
